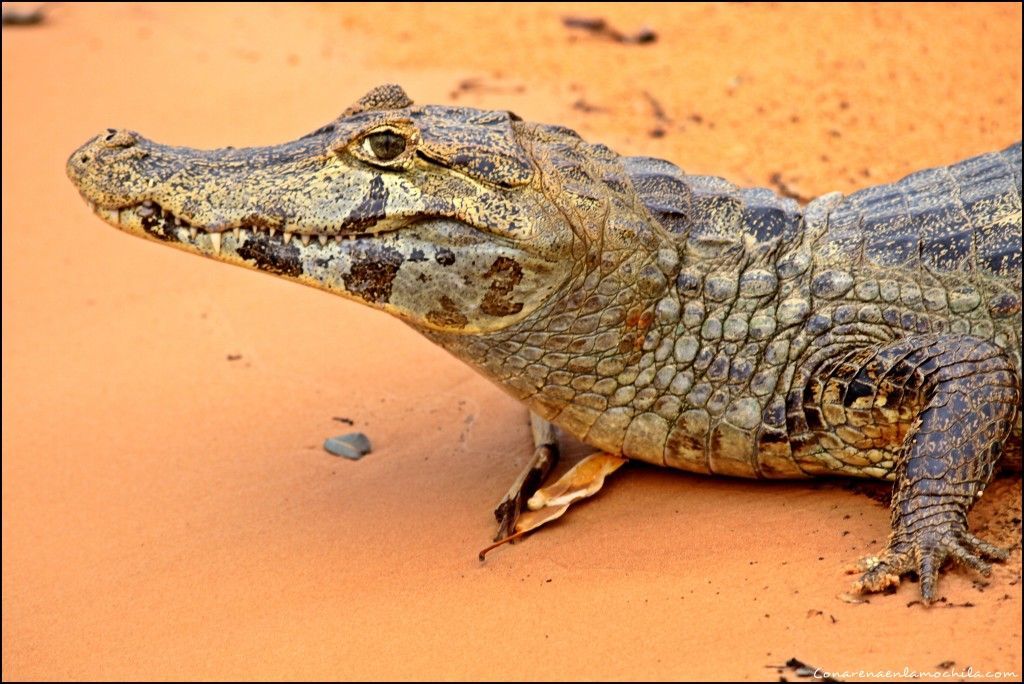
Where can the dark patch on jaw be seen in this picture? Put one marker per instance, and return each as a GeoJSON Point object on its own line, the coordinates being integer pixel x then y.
{"type": "Point", "coordinates": [506, 274]}
{"type": "Point", "coordinates": [445, 256]}
{"type": "Point", "coordinates": [271, 256]}
{"type": "Point", "coordinates": [373, 271]}
{"type": "Point", "coordinates": [417, 255]}
{"type": "Point", "coordinates": [160, 226]}
{"type": "Point", "coordinates": [449, 316]}
{"type": "Point", "coordinates": [371, 210]}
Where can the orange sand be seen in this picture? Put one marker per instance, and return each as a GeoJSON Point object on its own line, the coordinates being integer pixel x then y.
{"type": "Point", "coordinates": [169, 513]}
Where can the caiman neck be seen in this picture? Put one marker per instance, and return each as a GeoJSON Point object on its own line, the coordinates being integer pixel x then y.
{"type": "Point", "coordinates": [584, 351]}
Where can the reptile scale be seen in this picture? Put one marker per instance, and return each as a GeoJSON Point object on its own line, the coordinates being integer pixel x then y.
{"type": "Point", "coordinates": [654, 315]}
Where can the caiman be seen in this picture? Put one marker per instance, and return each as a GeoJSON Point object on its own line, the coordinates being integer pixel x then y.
{"type": "Point", "coordinates": [672, 318]}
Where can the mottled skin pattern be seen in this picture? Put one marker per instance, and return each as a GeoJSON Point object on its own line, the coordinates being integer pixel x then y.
{"type": "Point", "coordinates": [671, 318]}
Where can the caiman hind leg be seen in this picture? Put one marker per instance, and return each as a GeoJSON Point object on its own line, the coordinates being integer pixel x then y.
{"type": "Point", "coordinates": [545, 457]}
{"type": "Point", "coordinates": [968, 393]}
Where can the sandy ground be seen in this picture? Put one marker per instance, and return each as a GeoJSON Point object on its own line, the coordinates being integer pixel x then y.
{"type": "Point", "coordinates": [168, 512]}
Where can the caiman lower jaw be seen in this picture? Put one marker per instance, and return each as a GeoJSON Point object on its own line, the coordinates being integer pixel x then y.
{"type": "Point", "coordinates": [149, 219]}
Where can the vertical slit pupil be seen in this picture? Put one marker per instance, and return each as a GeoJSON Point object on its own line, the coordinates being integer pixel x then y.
{"type": "Point", "coordinates": [386, 145]}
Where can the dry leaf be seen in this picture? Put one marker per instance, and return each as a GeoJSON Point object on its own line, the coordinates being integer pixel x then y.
{"type": "Point", "coordinates": [531, 520]}
{"type": "Point", "coordinates": [549, 503]}
{"type": "Point", "coordinates": [584, 479]}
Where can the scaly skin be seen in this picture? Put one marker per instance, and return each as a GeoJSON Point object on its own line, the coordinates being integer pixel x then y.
{"type": "Point", "coordinates": [669, 318]}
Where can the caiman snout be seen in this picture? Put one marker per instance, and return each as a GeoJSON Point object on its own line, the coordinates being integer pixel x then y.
{"type": "Point", "coordinates": [105, 168]}
{"type": "Point", "coordinates": [98, 149]}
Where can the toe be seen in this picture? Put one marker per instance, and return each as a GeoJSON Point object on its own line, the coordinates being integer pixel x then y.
{"type": "Point", "coordinates": [928, 570]}
{"type": "Point", "coordinates": [970, 560]}
{"type": "Point", "coordinates": [983, 548]}
{"type": "Point", "coordinates": [883, 572]}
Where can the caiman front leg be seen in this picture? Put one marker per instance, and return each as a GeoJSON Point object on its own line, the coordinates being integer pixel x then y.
{"type": "Point", "coordinates": [528, 505]}
{"type": "Point", "coordinates": [545, 457]}
{"type": "Point", "coordinates": [967, 395]}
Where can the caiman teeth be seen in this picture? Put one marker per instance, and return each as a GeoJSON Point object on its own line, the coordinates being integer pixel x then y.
{"type": "Point", "coordinates": [156, 215]}
{"type": "Point", "coordinates": [109, 215]}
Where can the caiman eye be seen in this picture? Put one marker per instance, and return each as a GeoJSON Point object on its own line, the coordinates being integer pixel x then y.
{"type": "Point", "coordinates": [384, 145]}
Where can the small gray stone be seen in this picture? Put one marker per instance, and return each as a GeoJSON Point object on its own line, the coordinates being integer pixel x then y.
{"type": "Point", "coordinates": [353, 446]}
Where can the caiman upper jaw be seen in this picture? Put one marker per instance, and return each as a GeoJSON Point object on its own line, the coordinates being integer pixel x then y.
{"type": "Point", "coordinates": [293, 188]}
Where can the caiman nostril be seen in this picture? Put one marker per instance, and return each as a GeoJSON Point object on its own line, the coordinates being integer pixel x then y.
{"type": "Point", "coordinates": [118, 138]}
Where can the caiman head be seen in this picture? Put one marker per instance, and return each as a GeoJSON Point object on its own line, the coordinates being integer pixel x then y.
{"type": "Point", "coordinates": [457, 220]}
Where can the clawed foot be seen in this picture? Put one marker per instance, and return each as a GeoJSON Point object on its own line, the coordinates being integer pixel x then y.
{"type": "Point", "coordinates": [924, 554]}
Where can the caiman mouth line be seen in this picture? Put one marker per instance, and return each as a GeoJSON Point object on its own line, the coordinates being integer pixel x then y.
{"type": "Point", "coordinates": [165, 225]}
